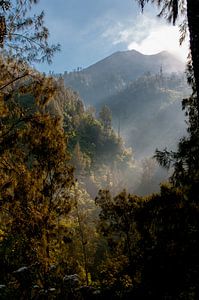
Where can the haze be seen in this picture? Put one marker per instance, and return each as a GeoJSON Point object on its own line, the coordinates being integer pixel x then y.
{"type": "Point", "coordinates": [89, 31]}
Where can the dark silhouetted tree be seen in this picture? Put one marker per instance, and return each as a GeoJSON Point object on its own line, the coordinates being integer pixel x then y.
{"type": "Point", "coordinates": [189, 11]}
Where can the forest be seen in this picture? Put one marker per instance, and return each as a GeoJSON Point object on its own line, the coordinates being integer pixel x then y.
{"type": "Point", "coordinates": [80, 218]}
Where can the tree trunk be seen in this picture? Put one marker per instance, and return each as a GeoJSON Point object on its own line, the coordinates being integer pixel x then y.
{"type": "Point", "coordinates": [193, 24]}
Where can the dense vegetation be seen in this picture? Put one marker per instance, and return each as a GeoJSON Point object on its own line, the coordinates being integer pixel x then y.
{"type": "Point", "coordinates": [97, 152]}
{"type": "Point", "coordinates": [56, 242]}
{"type": "Point", "coordinates": [151, 109]}
{"type": "Point", "coordinates": [149, 88]}
{"type": "Point", "coordinates": [111, 75]}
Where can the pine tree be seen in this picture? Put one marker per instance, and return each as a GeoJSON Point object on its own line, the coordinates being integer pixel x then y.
{"type": "Point", "coordinates": [23, 36]}
{"type": "Point", "coordinates": [35, 181]}
{"type": "Point", "coordinates": [105, 118]}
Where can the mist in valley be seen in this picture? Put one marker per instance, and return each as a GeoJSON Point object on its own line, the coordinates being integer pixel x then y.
{"type": "Point", "coordinates": [99, 159]}
{"type": "Point", "coordinates": [143, 95]}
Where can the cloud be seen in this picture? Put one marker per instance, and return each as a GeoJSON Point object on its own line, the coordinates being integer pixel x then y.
{"type": "Point", "coordinates": [88, 32]}
{"type": "Point", "coordinates": [147, 35]}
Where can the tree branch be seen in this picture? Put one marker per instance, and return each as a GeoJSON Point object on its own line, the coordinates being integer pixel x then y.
{"type": "Point", "coordinates": [13, 80]}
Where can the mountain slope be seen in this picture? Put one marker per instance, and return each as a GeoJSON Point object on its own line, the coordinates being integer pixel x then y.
{"type": "Point", "coordinates": [112, 74]}
{"type": "Point", "coordinates": [144, 93]}
{"type": "Point", "coordinates": [148, 112]}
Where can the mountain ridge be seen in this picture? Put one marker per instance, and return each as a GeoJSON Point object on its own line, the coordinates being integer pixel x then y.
{"type": "Point", "coordinates": [148, 112]}
{"type": "Point", "coordinates": [144, 93]}
{"type": "Point", "coordinates": [129, 53]}
{"type": "Point", "coordinates": [113, 73]}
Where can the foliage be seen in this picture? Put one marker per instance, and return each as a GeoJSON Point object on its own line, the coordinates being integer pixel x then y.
{"type": "Point", "coordinates": [111, 75]}
{"type": "Point", "coordinates": [185, 160]}
{"type": "Point", "coordinates": [48, 230]}
{"type": "Point", "coordinates": [168, 9]}
{"type": "Point", "coordinates": [36, 179]}
{"type": "Point", "coordinates": [188, 10]}
{"type": "Point", "coordinates": [97, 153]}
{"type": "Point", "coordinates": [105, 118]}
{"type": "Point", "coordinates": [24, 36]}
{"type": "Point", "coordinates": [149, 240]}
{"type": "Point", "coordinates": [118, 227]}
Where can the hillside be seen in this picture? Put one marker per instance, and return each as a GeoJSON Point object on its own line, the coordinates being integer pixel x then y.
{"type": "Point", "coordinates": [151, 116]}
{"type": "Point", "coordinates": [99, 157]}
{"type": "Point", "coordinates": [110, 75]}
{"type": "Point", "coordinates": [144, 93]}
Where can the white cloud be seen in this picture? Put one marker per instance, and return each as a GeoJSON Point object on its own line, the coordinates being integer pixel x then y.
{"type": "Point", "coordinates": [148, 35]}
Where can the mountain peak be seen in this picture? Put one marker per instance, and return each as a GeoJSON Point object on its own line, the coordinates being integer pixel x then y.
{"type": "Point", "coordinates": [161, 53]}
{"type": "Point", "coordinates": [111, 74]}
{"type": "Point", "coordinates": [133, 51]}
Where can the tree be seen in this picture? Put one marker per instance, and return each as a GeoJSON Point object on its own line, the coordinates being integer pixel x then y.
{"type": "Point", "coordinates": [175, 214]}
{"type": "Point", "coordinates": [23, 36]}
{"type": "Point", "coordinates": [147, 241]}
{"type": "Point", "coordinates": [105, 118]}
{"type": "Point", "coordinates": [119, 269]}
{"type": "Point", "coordinates": [168, 228]}
{"type": "Point", "coordinates": [35, 183]}
{"type": "Point", "coordinates": [35, 174]}
{"type": "Point", "coordinates": [186, 160]}
{"type": "Point", "coordinates": [189, 9]}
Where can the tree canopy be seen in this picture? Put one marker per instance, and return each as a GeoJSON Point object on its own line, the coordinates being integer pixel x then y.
{"type": "Point", "coordinates": [56, 242]}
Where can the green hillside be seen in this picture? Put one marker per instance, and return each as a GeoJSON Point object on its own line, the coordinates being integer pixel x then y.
{"type": "Point", "coordinates": [149, 109]}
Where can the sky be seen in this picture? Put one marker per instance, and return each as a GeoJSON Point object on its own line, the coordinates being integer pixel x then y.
{"type": "Point", "coordinates": [89, 31]}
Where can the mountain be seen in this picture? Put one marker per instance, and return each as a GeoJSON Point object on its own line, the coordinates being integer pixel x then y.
{"type": "Point", "coordinates": [112, 74]}
{"type": "Point", "coordinates": [148, 114]}
{"type": "Point", "coordinates": [144, 93]}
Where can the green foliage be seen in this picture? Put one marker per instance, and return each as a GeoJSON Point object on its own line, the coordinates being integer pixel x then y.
{"type": "Point", "coordinates": [140, 248]}
{"type": "Point", "coordinates": [185, 160]}
{"type": "Point", "coordinates": [105, 118]}
{"type": "Point", "coordinates": [82, 218]}
{"type": "Point", "coordinates": [95, 149]}
{"type": "Point", "coordinates": [148, 242]}
{"type": "Point", "coordinates": [97, 141]}
{"type": "Point", "coordinates": [117, 225]}
{"type": "Point", "coordinates": [150, 109]}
